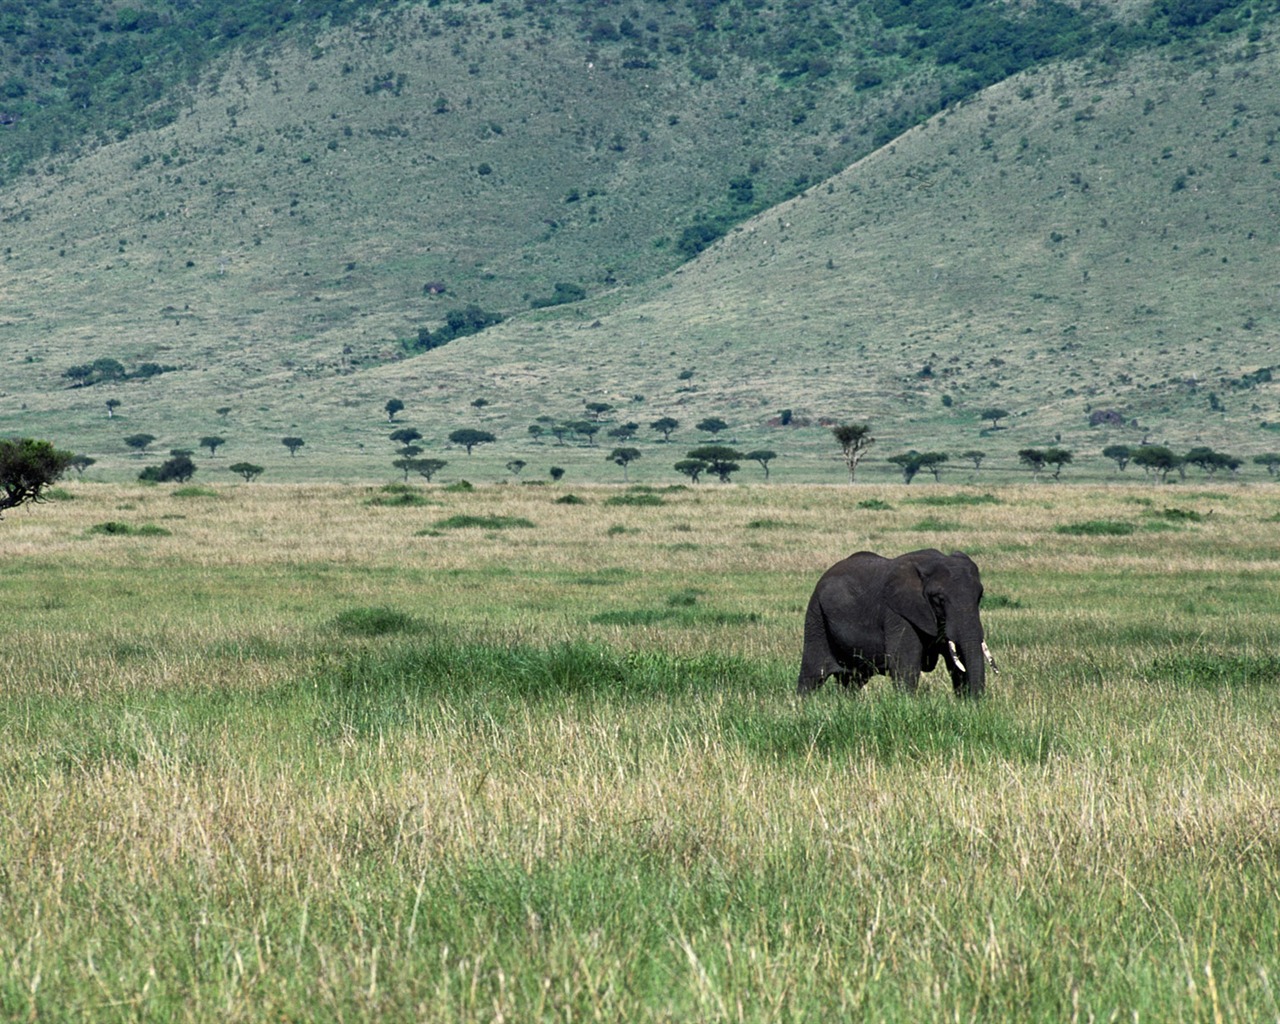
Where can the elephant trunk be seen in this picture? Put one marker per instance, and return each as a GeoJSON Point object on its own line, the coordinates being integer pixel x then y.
{"type": "Point", "coordinates": [967, 654]}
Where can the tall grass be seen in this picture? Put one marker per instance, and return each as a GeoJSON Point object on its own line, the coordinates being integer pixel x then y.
{"type": "Point", "coordinates": [281, 764]}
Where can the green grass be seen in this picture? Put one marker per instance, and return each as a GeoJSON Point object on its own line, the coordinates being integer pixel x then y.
{"type": "Point", "coordinates": [556, 775]}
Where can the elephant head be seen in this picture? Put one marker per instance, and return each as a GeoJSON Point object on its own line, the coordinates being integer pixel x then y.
{"type": "Point", "coordinates": [940, 595]}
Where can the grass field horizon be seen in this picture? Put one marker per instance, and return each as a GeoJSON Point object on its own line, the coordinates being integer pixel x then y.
{"type": "Point", "coordinates": [308, 749]}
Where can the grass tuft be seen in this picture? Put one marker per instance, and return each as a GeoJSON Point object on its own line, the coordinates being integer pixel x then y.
{"type": "Point", "coordinates": [114, 528]}
{"type": "Point", "coordinates": [642, 499]}
{"type": "Point", "coordinates": [472, 522]}
{"type": "Point", "coordinates": [376, 621]}
{"type": "Point", "coordinates": [1213, 670]}
{"type": "Point", "coordinates": [1096, 528]}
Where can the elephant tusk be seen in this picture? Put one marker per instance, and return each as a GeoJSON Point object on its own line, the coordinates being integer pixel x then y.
{"type": "Point", "coordinates": [986, 653]}
{"type": "Point", "coordinates": [955, 656]}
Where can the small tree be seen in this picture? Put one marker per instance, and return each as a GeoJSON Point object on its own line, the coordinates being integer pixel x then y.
{"type": "Point", "coordinates": [692, 468]}
{"type": "Point", "coordinates": [515, 465]}
{"type": "Point", "coordinates": [223, 411]}
{"type": "Point", "coordinates": [112, 405]}
{"type": "Point", "coordinates": [1269, 459]}
{"type": "Point", "coordinates": [720, 459]}
{"type": "Point", "coordinates": [855, 439]}
{"type": "Point", "coordinates": [560, 430]}
{"type": "Point", "coordinates": [82, 462]}
{"type": "Point", "coordinates": [405, 435]}
{"type": "Point", "coordinates": [1156, 458]}
{"type": "Point", "coordinates": [587, 429]}
{"type": "Point", "coordinates": [213, 442]}
{"type": "Point", "coordinates": [624, 431]}
{"type": "Point", "coordinates": [713, 425]}
{"type": "Point", "coordinates": [479, 404]}
{"type": "Point", "coordinates": [908, 462]}
{"type": "Point", "coordinates": [1120, 454]}
{"type": "Point", "coordinates": [469, 438]}
{"type": "Point", "coordinates": [975, 456]}
{"type": "Point", "coordinates": [624, 457]}
{"type": "Point", "coordinates": [1057, 458]}
{"type": "Point", "coordinates": [429, 467]}
{"type": "Point", "coordinates": [995, 415]}
{"type": "Point", "coordinates": [933, 462]}
{"type": "Point", "coordinates": [763, 456]}
{"type": "Point", "coordinates": [293, 444]}
{"type": "Point", "coordinates": [1210, 461]}
{"type": "Point", "coordinates": [664, 426]}
{"type": "Point", "coordinates": [27, 467]}
{"type": "Point", "coordinates": [1033, 458]}
{"type": "Point", "coordinates": [392, 407]}
{"type": "Point", "coordinates": [178, 469]}
{"type": "Point", "coordinates": [598, 409]}
{"type": "Point", "coordinates": [248, 470]}
{"type": "Point", "coordinates": [556, 473]}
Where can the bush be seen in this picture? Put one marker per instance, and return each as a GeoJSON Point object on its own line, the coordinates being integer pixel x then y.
{"type": "Point", "coordinates": [1097, 528]}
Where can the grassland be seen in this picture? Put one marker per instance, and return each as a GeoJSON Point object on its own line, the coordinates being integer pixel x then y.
{"type": "Point", "coordinates": [322, 751]}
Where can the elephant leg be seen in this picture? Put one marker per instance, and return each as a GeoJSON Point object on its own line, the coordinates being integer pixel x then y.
{"type": "Point", "coordinates": [905, 659]}
{"type": "Point", "coordinates": [814, 669]}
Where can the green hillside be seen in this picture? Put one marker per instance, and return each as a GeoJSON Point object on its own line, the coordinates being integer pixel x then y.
{"type": "Point", "coordinates": [1093, 235]}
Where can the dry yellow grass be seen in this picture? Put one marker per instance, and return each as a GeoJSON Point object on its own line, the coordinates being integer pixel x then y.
{"type": "Point", "coordinates": [220, 805]}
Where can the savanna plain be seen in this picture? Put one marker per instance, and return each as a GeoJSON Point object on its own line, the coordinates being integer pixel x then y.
{"type": "Point", "coordinates": [343, 752]}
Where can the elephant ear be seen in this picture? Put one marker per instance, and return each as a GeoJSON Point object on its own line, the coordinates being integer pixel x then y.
{"type": "Point", "coordinates": [905, 595]}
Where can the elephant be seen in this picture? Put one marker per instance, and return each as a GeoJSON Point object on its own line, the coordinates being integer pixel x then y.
{"type": "Point", "coordinates": [897, 616]}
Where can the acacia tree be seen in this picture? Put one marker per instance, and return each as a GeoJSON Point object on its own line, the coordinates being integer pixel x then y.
{"type": "Point", "coordinates": [1156, 458]}
{"type": "Point", "coordinates": [720, 459]}
{"type": "Point", "coordinates": [1033, 458]}
{"type": "Point", "coordinates": [27, 467]}
{"type": "Point", "coordinates": [1120, 454]}
{"type": "Point", "coordinates": [855, 439]}
{"type": "Point", "coordinates": [908, 462]}
{"type": "Point", "coordinates": [293, 444]}
{"type": "Point", "coordinates": [429, 467]}
{"type": "Point", "coordinates": [975, 456]}
{"type": "Point", "coordinates": [248, 470]}
{"type": "Point", "coordinates": [995, 415]}
{"type": "Point", "coordinates": [515, 465]}
{"type": "Point", "coordinates": [139, 442]}
{"type": "Point", "coordinates": [933, 462]}
{"type": "Point", "coordinates": [392, 407]}
{"type": "Point", "coordinates": [713, 425]}
{"type": "Point", "coordinates": [213, 442]}
{"type": "Point", "coordinates": [1269, 459]}
{"type": "Point", "coordinates": [763, 456]}
{"type": "Point", "coordinates": [664, 426]}
{"type": "Point", "coordinates": [112, 405]}
{"type": "Point", "coordinates": [1057, 458]}
{"type": "Point", "coordinates": [469, 438]}
{"type": "Point", "coordinates": [624, 457]}
{"type": "Point", "coordinates": [692, 468]}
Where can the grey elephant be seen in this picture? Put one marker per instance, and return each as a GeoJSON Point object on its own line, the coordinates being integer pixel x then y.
{"type": "Point", "coordinates": [897, 616]}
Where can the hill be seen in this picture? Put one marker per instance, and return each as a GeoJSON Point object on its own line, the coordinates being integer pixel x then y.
{"type": "Point", "coordinates": [1090, 235]}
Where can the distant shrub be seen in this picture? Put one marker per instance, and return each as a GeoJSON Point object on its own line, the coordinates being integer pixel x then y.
{"type": "Point", "coordinates": [570, 499]}
{"type": "Point", "coordinates": [641, 499]}
{"type": "Point", "coordinates": [769, 524]}
{"type": "Point", "coordinates": [113, 528]}
{"type": "Point", "coordinates": [875, 505]}
{"type": "Point", "coordinates": [460, 487]}
{"type": "Point", "coordinates": [1097, 528]}
{"type": "Point", "coordinates": [467, 522]}
{"type": "Point", "coordinates": [195, 491]}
